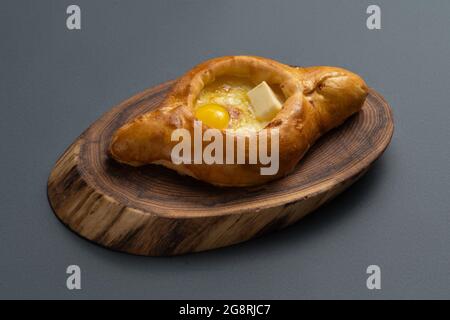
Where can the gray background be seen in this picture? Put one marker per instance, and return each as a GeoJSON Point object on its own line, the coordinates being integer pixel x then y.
{"type": "Point", "coordinates": [55, 82]}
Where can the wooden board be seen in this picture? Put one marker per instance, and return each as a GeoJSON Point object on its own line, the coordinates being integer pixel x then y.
{"type": "Point", "coordinates": [152, 210]}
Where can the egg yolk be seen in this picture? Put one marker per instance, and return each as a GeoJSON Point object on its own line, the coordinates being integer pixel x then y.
{"type": "Point", "coordinates": [213, 115]}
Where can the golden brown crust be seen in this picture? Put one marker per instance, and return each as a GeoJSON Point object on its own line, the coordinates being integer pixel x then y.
{"type": "Point", "coordinates": [317, 100]}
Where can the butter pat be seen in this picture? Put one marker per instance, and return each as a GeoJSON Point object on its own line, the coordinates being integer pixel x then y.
{"type": "Point", "coordinates": [264, 101]}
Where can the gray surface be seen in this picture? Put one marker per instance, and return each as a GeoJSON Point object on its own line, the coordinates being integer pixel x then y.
{"type": "Point", "coordinates": [55, 82]}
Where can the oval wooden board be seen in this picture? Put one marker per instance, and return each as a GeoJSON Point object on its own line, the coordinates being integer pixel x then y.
{"type": "Point", "coordinates": [152, 210]}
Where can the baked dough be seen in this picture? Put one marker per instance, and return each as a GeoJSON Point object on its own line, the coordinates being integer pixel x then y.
{"type": "Point", "coordinates": [316, 99]}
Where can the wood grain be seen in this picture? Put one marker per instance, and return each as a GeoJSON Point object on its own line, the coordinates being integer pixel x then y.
{"type": "Point", "coordinates": [154, 211]}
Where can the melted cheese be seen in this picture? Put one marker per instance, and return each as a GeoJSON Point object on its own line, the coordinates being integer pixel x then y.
{"type": "Point", "coordinates": [231, 93]}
